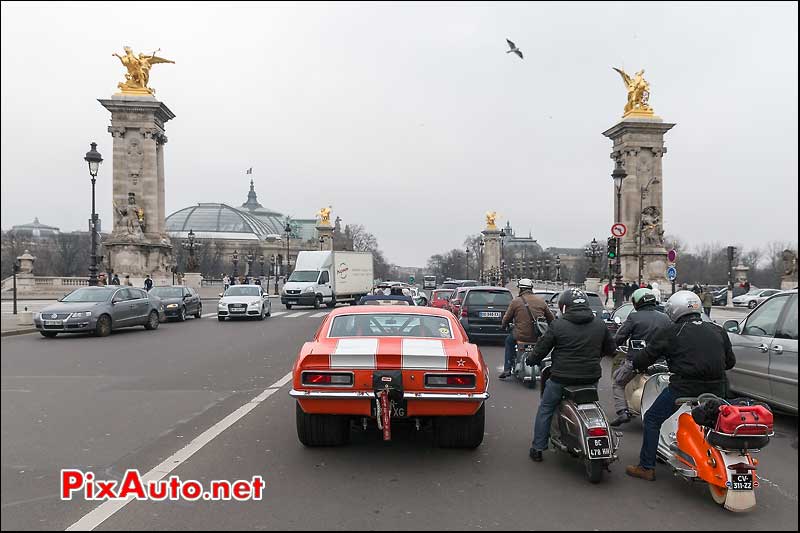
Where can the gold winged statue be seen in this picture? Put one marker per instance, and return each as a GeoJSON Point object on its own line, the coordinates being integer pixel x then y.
{"type": "Point", "coordinates": [491, 218]}
{"type": "Point", "coordinates": [638, 94]}
{"type": "Point", "coordinates": [138, 75]}
{"type": "Point", "coordinates": [324, 215]}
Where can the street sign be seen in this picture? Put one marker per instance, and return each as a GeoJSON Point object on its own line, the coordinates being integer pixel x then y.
{"type": "Point", "coordinates": [619, 230]}
{"type": "Point", "coordinates": [672, 273]}
{"type": "Point", "coordinates": [672, 255]}
{"type": "Point", "coordinates": [411, 279]}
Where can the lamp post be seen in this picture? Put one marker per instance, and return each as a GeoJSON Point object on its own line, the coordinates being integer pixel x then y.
{"type": "Point", "coordinates": [94, 159]}
{"type": "Point", "coordinates": [538, 269]}
{"type": "Point", "coordinates": [592, 251]}
{"type": "Point", "coordinates": [321, 241]}
{"type": "Point", "coordinates": [502, 258]}
{"type": "Point", "coordinates": [558, 268]}
{"type": "Point", "coordinates": [235, 260]}
{"type": "Point", "coordinates": [618, 175]}
{"type": "Point", "coordinates": [288, 230]}
{"type": "Point", "coordinates": [547, 269]}
{"type": "Point", "coordinates": [482, 243]}
{"type": "Point", "coordinates": [274, 262]}
{"type": "Point", "coordinates": [643, 193]}
{"type": "Point", "coordinates": [16, 269]}
{"type": "Point", "coordinates": [466, 254]}
{"type": "Point", "coordinates": [191, 245]}
{"type": "Point", "coordinates": [250, 258]}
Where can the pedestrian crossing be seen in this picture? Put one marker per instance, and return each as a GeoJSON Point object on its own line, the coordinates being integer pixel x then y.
{"type": "Point", "coordinates": [290, 314]}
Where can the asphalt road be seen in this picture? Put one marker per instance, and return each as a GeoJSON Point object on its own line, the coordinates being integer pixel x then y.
{"type": "Point", "coordinates": [135, 398]}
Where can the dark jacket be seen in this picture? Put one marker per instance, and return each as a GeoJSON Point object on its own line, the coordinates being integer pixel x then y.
{"type": "Point", "coordinates": [148, 283]}
{"type": "Point", "coordinates": [523, 326]}
{"type": "Point", "coordinates": [642, 325]}
{"type": "Point", "coordinates": [578, 340]}
{"type": "Point", "coordinates": [698, 354]}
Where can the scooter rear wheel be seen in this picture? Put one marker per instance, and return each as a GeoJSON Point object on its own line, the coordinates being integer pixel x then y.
{"type": "Point", "coordinates": [718, 494]}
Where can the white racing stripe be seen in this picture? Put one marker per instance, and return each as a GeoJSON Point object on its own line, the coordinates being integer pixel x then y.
{"type": "Point", "coordinates": [107, 509]}
{"type": "Point", "coordinates": [354, 353]}
{"type": "Point", "coordinates": [295, 315]}
{"type": "Point", "coordinates": [424, 353]}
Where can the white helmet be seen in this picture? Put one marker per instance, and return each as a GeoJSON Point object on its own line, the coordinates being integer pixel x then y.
{"type": "Point", "coordinates": [525, 283]}
{"type": "Point", "coordinates": [682, 303]}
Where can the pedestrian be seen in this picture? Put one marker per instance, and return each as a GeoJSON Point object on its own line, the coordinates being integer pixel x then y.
{"type": "Point", "coordinates": [257, 281]}
{"type": "Point", "coordinates": [707, 297]}
{"type": "Point", "coordinates": [631, 289]}
{"type": "Point", "coordinates": [656, 291]}
{"type": "Point", "coordinates": [101, 279]}
{"type": "Point", "coordinates": [115, 280]}
{"type": "Point", "coordinates": [226, 282]}
{"type": "Point", "coordinates": [148, 283]}
{"type": "Point", "coordinates": [233, 280]}
{"type": "Point", "coordinates": [605, 290]}
{"type": "Point", "coordinates": [746, 286]}
{"type": "Point", "coordinates": [128, 281]}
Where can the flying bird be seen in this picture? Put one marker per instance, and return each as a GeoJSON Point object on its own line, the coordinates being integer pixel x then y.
{"type": "Point", "coordinates": [514, 49]}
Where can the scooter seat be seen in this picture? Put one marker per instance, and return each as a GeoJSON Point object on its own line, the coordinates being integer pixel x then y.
{"type": "Point", "coordinates": [745, 442]}
{"type": "Point", "coordinates": [580, 393]}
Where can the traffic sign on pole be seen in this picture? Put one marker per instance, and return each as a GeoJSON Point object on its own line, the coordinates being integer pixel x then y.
{"type": "Point", "coordinates": [672, 255]}
{"type": "Point", "coordinates": [672, 273]}
{"type": "Point", "coordinates": [411, 279]}
{"type": "Point", "coordinates": [619, 230]}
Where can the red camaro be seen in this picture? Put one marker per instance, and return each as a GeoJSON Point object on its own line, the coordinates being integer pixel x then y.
{"type": "Point", "coordinates": [381, 365]}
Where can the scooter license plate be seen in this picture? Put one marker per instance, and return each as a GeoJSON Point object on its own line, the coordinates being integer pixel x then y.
{"type": "Point", "coordinates": [399, 409]}
{"type": "Point", "coordinates": [742, 482]}
{"type": "Point", "coordinates": [599, 447]}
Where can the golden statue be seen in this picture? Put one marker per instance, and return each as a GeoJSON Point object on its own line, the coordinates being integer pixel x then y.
{"type": "Point", "coordinates": [491, 217]}
{"type": "Point", "coordinates": [138, 75]}
{"type": "Point", "coordinates": [638, 94]}
{"type": "Point", "coordinates": [324, 215]}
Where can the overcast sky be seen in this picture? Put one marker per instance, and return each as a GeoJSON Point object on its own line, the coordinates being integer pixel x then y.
{"type": "Point", "coordinates": [410, 118]}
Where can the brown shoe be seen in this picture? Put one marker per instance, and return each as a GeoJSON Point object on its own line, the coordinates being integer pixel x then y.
{"type": "Point", "coordinates": [639, 471]}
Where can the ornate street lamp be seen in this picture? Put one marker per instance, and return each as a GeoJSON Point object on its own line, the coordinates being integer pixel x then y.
{"type": "Point", "coordinates": [558, 268]}
{"type": "Point", "coordinates": [618, 175]}
{"type": "Point", "coordinates": [592, 251]}
{"type": "Point", "coordinates": [93, 158]}
{"type": "Point", "coordinates": [502, 258]}
{"type": "Point", "coordinates": [261, 262]}
{"type": "Point", "coordinates": [547, 269]}
{"type": "Point", "coordinates": [249, 258]}
{"type": "Point", "coordinates": [191, 245]}
{"type": "Point", "coordinates": [482, 243]}
{"type": "Point", "coordinates": [288, 230]}
{"type": "Point", "coordinates": [274, 262]}
{"type": "Point", "coordinates": [235, 261]}
{"type": "Point", "coordinates": [321, 241]}
{"type": "Point", "coordinates": [466, 254]}
{"type": "Point", "coordinates": [538, 269]}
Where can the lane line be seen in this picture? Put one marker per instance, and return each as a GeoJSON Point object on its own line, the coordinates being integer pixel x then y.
{"type": "Point", "coordinates": [279, 313]}
{"type": "Point", "coordinates": [207, 315]}
{"type": "Point", "coordinates": [295, 315]}
{"type": "Point", "coordinates": [107, 509]}
{"type": "Point", "coordinates": [317, 315]}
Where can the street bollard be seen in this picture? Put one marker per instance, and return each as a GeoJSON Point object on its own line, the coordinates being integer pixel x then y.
{"type": "Point", "coordinates": [25, 318]}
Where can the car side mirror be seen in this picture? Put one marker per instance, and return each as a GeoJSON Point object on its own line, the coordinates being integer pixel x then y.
{"type": "Point", "coordinates": [731, 326]}
{"type": "Point", "coordinates": [617, 320]}
{"type": "Point", "coordinates": [220, 295]}
{"type": "Point", "coordinates": [187, 296]}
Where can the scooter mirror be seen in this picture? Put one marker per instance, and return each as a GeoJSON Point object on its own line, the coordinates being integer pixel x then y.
{"type": "Point", "coordinates": [617, 320]}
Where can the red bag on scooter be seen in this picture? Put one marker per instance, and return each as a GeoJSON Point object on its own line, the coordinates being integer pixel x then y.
{"type": "Point", "coordinates": [743, 420]}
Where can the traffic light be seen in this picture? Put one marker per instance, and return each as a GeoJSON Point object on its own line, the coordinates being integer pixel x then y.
{"type": "Point", "coordinates": [731, 252]}
{"type": "Point", "coordinates": [611, 247]}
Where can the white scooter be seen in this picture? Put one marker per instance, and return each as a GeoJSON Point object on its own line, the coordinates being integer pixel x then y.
{"type": "Point", "coordinates": [635, 387]}
{"type": "Point", "coordinates": [722, 460]}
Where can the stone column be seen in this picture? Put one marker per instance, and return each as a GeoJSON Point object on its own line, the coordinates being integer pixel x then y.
{"type": "Point", "coordinates": [491, 250]}
{"type": "Point", "coordinates": [326, 232]}
{"type": "Point", "coordinates": [137, 129]}
{"type": "Point", "coordinates": [639, 145]}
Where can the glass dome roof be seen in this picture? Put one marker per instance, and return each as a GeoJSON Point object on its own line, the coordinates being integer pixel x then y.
{"type": "Point", "coordinates": [221, 221]}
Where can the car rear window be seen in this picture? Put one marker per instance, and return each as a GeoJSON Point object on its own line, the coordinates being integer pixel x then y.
{"type": "Point", "coordinates": [479, 297]}
{"type": "Point", "coordinates": [391, 325]}
{"type": "Point", "coordinates": [594, 301]}
{"type": "Point", "coordinates": [443, 295]}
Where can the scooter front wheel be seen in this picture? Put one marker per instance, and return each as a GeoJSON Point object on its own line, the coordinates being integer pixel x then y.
{"type": "Point", "coordinates": [594, 470]}
{"type": "Point", "coordinates": [718, 494]}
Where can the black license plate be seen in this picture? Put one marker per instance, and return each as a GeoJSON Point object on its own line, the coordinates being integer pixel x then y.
{"type": "Point", "coordinates": [599, 447]}
{"type": "Point", "coordinates": [742, 482]}
{"type": "Point", "coordinates": [399, 409]}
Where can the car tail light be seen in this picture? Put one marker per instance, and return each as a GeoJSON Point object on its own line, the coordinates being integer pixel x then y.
{"type": "Point", "coordinates": [464, 381]}
{"type": "Point", "coordinates": [464, 311]}
{"type": "Point", "coordinates": [327, 378]}
{"type": "Point", "coordinates": [598, 432]}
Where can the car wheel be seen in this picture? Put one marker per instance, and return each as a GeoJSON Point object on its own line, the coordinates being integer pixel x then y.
{"type": "Point", "coordinates": [317, 302]}
{"type": "Point", "coordinates": [332, 303]}
{"type": "Point", "coordinates": [460, 431]}
{"type": "Point", "coordinates": [199, 313]}
{"type": "Point", "coordinates": [152, 321]}
{"type": "Point", "coordinates": [321, 430]}
{"type": "Point", "coordinates": [221, 318]}
{"type": "Point", "coordinates": [287, 306]}
{"type": "Point", "coordinates": [751, 304]}
{"type": "Point", "coordinates": [103, 327]}
{"type": "Point", "coordinates": [261, 313]}
{"type": "Point", "coordinates": [182, 315]}
{"type": "Point", "coordinates": [269, 309]}
{"type": "Point", "coordinates": [49, 334]}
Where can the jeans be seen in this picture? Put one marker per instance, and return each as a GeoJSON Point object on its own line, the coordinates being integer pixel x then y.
{"type": "Point", "coordinates": [708, 311]}
{"type": "Point", "coordinates": [662, 408]}
{"type": "Point", "coordinates": [544, 416]}
{"type": "Point", "coordinates": [511, 353]}
{"type": "Point", "coordinates": [621, 377]}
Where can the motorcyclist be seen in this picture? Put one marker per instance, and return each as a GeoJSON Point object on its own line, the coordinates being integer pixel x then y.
{"type": "Point", "coordinates": [640, 326]}
{"type": "Point", "coordinates": [578, 340]}
{"type": "Point", "coordinates": [523, 312]}
{"type": "Point", "coordinates": [698, 354]}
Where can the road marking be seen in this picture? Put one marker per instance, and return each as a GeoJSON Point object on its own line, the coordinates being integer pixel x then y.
{"type": "Point", "coordinates": [279, 313]}
{"type": "Point", "coordinates": [208, 315]}
{"type": "Point", "coordinates": [295, 315]}
{"type": "Point", "coordinates": [107, 509]}
{"type": "Point", "coordinates": [317, 315]}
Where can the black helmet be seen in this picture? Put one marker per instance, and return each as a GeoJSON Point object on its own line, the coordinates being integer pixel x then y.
{"type": "Point", "coordinates": [571, 297]}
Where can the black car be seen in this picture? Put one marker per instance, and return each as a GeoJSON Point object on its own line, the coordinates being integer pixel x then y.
{"type": "Point", "coordinates": [595, 303]}
{"type": "Point", "coordinates": [179, 301]}
{"type": "Point", "coordinates": [456, 283]}
{"type": "Point", "coordinates": [482, 310]}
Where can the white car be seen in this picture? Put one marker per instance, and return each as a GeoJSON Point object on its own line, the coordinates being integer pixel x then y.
{"type": "Point", "coordinates": [244, 301]}
{"type": "Point", "coordinates": [754, 297]}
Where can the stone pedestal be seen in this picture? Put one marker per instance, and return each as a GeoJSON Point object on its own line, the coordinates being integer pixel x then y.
{"type": "Point", "coordinates": [593, 285]}
{"type": "Point", "coordinates": [741, 273]}
{"type": "Point", "coordinates": [139, 244]}
{"type": "Point", "coordinates": [26, 263]}
{"type": "Point", "coordinates": [639, 146]}
{"type": "Point", "coordinates": [326, 232]}
{"type": "Point", "coordinates": [788, 284]}
{"type": "Point", "coordinates": [491, 251]}
{"type": "Point", "coordinates": [193, 280]}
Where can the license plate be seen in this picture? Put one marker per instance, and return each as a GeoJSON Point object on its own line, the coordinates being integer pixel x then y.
{"type": "Point", "coordinates": [489, 314]}
{"type": "Point", "coordinates": [742, 482]}
{"type": "Point", "coordinates": [399, 409]}
{"type": "Point", "coordinates": [599, 447]}
{"type": "Point", "coordinates": [58, 323]}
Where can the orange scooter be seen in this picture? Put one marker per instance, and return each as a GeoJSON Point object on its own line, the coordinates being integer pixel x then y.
{"type": "Point", "coordinates": [722, 458]}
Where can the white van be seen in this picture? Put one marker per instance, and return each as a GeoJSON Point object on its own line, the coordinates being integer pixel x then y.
{"type": "Point", "coordinates": [327, 277]}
